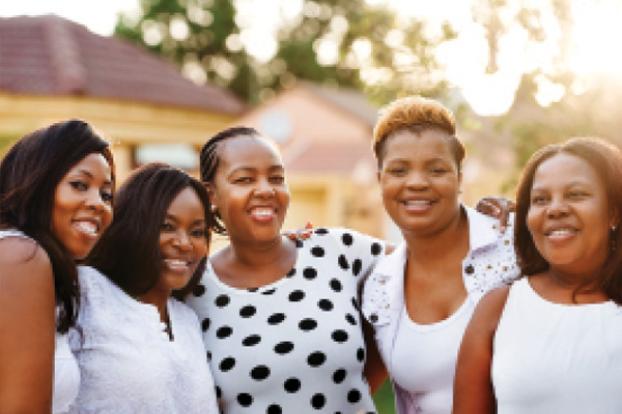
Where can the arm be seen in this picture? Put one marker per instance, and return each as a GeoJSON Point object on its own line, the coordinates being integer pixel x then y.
{"type": "Point", "coordinates": [374, 370]}
{"type": "Point", "coordinates": [27, 327]}
{"type": "Point", "coordinates": [473, 391]}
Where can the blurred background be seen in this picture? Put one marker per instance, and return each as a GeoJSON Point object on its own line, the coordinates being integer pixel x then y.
{"type": "Point", "coordinates": [158, 77]}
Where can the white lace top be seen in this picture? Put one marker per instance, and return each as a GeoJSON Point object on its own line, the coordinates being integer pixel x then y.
{"type": "Point", "coordinates": [66, 373]}
{"type": "Point", "coordinates": [128, 363]}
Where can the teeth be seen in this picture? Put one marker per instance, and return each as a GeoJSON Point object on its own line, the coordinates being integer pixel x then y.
{"type": "Point", "coordinates": [176, 263]}
{"type": "Point", "coordinates": [561, 232]}
{"type": "Point", "coordinates": [262, 212]}
{"type": "Point", "coordinates": [86, 227]}
{"type": "Point", "coordinates": [417, 203]}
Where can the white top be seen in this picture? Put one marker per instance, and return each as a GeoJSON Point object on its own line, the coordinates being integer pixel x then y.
{"type": "Point", "coordinates": [66, 373]}
{"type": "Point", "coordinates": [489, 263]}
{"type": "Point", "coordinates": [424, 358]}
{"type": "Point", "coordinates": [556, 358]}
{"type": "Point", "coordinates": [295, 345]}
{"type": "Point", "coordinates": [128, 363]}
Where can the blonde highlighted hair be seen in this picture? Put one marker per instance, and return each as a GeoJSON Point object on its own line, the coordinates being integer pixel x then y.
{"type": "Point", "coordinates": [416, 114]}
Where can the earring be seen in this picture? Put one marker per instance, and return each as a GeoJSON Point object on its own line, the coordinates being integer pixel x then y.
{"type": "Point", "coordinates": [213, 209]}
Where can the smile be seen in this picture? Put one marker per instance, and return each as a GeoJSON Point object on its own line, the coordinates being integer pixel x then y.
{"type": "Point", "coordinates": [262, 214]}
{"type": "Point", "coordinates": [417, 206]}
{"type": "Point", "coordinates": [178, 265]}
{"type": "Point", "coordinates": [88, 228]}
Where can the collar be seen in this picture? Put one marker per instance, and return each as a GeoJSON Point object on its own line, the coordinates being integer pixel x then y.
{"type": "Point", "coordinates": [483, 230]}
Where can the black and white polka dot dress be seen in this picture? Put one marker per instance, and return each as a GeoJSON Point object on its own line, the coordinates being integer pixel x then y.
{"type": "Point", "coordinates": [295, 345]}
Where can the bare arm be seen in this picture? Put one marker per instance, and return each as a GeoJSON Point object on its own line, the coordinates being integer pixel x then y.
{"type": "Point", "coordinates": [473, 392]}
{"type": "Point", "coordinates": [374, 370]}
{"type": "Point", "coordinates": [27, 327]}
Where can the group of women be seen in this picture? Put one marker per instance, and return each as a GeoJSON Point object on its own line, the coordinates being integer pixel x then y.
{"type": "Point", "coordinates": [108, 303]}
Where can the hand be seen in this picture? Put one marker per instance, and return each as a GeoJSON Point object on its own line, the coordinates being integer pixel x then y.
{"type": "Point", "coordinates": [300, 234]}
{"type": "Point", "coordinates": [497, 207]}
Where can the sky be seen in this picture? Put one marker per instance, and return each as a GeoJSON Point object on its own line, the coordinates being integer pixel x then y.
{"type": "Point", "coordinates": [596, 24]}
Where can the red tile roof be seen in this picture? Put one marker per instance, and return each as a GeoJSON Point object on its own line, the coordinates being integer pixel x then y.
{"type": "Point", "coordinates": [49, 55]}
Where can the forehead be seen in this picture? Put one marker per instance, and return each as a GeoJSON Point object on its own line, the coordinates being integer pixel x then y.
{"type": "Point", "coordinates": [405, 144]}
{"type": "Point", "coordinates": [95, 164]}
{"type": "Point", "coordinates": [248, 152]}
{"type": "Point", "coordinates": [186, 200]}
{"type": "Point", "coordinates": [565, 169]}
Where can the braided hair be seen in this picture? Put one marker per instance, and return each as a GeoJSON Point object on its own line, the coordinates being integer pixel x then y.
{"type": "Point", "coordinates": [209, 160]}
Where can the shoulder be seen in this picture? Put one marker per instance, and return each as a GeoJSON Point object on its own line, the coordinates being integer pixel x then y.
{"type": "Point", "coordinates": [490, 307]}
{"type": "Point", "coordinates": [183, 312]}
{"type": "Point", "coordinates": [350, 240]}
{"type": "Point", "coordinates": [23, 261]}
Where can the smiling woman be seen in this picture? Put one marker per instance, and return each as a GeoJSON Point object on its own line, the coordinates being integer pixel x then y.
{"type": "Point", "coordinates": [563, 318]}
{"type": "Point", "coordinates": [140, 350]}
{"type": "Point", "coordinates": [55, 202]}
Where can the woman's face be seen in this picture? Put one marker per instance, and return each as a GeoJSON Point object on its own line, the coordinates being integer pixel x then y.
{"type": "Point", "coordinates": [569, 216]}
{"type": "Point", "coordinates": [183, 240]}
{"type": "Point", "coordinates": [249, 189]}
{"type": "Point", "coordinates": [420, 182]}
{"type": "Point", "coordinates": [82, 208]}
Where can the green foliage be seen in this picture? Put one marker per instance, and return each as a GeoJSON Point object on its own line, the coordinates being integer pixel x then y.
{"type": "Point", "coordinates": [210, 45]}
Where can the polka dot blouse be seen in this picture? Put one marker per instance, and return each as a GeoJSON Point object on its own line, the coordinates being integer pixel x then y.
{"type": "Point", "coordinates": [295, 345]}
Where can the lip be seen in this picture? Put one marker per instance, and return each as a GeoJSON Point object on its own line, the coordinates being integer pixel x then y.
{"type": "Point", "coordinates": [87, 226]}
{"type": "Point", "coordinates": [178, 264]}
{"type": "Point", "coordinates": [560, 232]}
{"type": "Point", "coordinates": [263, 213]}
{"type": "Point", "coordinates": [417, 205]}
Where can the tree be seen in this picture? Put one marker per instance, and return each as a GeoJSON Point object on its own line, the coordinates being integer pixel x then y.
{"type": "Point", "coordinates": [343, 42]}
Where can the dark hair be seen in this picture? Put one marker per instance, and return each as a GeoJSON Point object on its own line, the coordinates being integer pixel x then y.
{"type": "Point", "coordinates": [129, 252]}
{"type": "Point", "coordinates": [29, 175]}
{"type": "Point", "coordinates": [606, 160]}
{"type": "Point", "coordinates": [209, 160]}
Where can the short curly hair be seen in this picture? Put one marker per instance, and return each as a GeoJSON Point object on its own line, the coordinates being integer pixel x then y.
{"type": "Point", "coordinates": [416, 114]}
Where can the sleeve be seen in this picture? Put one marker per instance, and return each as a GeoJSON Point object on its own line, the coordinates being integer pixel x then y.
{"type": "Point", "coordinates": [360, 252]}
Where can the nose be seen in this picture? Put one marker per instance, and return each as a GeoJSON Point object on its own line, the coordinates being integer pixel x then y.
{"type": "Point", "coordinates": [94, 200]}
{"type": "Point", "coordinates": [264, 188]}
{"type": "Point", "coordinates": [182, 241]}
{"type": "Point", "coordinates": [417, 180]}
{"type": "Point", "coordinates": [557, 208]}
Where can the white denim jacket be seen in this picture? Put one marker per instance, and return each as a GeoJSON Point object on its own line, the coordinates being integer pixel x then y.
{"type": "Point", "coordinates": [489, 263]}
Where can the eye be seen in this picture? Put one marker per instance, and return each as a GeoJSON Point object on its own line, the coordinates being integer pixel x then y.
{"type": "Point", "coordinates": [277, 179]}
{"type": "Point", "coordinates": [79, 185]}
{"type": "Point", "coordinates": [438, 170]}
{"type": "Point", "coordinates": [538, 200]}
{"type": "Point", "coordinates": [166, 227]}
{"type": "Point", "coordinates": [243, 180]}
{"type": "Point", "coordinates": [106, 196]}
{"type": "Point", "coordinates": [397, 171]}
{"type": "Point", "coordinates": [199, 232]}
{"type": "Point", "coordinates": [577, 194]}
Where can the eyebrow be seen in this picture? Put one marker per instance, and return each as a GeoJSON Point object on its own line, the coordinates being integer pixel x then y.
{"type": "Point", "coordinates": [91, 176]}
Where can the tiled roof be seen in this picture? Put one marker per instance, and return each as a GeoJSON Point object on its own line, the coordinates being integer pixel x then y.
{"type": "Point", "coordinates": [49, 55]}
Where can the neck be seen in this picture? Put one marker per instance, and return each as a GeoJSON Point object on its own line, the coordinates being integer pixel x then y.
{"type": "Point", "coordinates": [157, 298]}
{"type": "Point", "coordinates": [571, 280]}
{"type": "Point", "coordinates": [435, 245]}
{"type": "Point", "coordinates": [256, 255]}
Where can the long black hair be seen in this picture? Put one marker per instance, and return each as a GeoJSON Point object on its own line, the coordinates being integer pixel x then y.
{"type": "Point", "coordinates": [129, 252]}
{"type": "Point", "coordinates": [29, 175]}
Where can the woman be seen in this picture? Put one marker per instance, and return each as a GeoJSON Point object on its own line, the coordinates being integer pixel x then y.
{"type": "Point", "coordinates": [552, 343]}
{"type": "Point", "coordinates": [56, 188]}
{"type": "Point", "coordinates": [280, 320]}
{"type": "Point", "coordinates": [139, 350]}
{"type": "Point", "coordinates": [420, 298]}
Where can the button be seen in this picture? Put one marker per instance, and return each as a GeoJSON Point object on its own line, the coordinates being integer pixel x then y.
{"type": "Point", "coordinates": [373, 318]}
{"type": "Point", "coordinates": [469, 269]}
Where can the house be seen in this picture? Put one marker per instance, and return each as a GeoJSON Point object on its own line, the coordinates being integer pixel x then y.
{"type": "Point", "coordinates": [53, 69]}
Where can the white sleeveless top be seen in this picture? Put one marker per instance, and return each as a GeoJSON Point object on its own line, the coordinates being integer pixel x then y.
{"type": "Point", "coordinates": [557, 358]}
{"type": "Point", "coordinates": [66, 372]}
{"type": "Point", "coordinates": [424, 358]}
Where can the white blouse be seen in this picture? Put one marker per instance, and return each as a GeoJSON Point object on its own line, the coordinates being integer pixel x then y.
{"type": "Point", "coordinates": [127, 361]}
{"type": "Point", "coordinates": [66, 373]}
{"type": "Point", "coordinates": [489, 263]}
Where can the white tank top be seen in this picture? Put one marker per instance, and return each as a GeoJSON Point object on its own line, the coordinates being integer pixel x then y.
{"type": "Point", "coordinates": [66, 372]}
{"type": "Point", "coordinates": [424, 358]}
{"type": "Point", "coordinates": [557, 358]}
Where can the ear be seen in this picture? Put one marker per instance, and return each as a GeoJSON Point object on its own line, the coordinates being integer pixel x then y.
{"type": "Point", "coordinates": [211, 192]}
